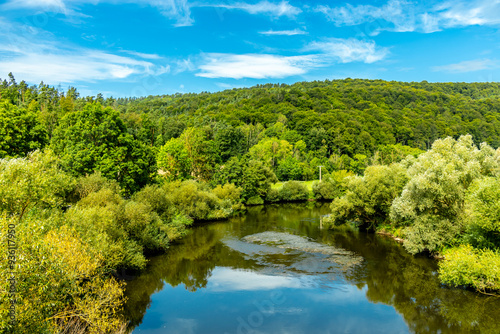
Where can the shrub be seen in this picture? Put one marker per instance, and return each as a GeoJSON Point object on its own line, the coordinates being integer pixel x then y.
{"type": "Point", "coordinates": [368, 198]}
{"type": "Point", "coordinates": [332, 186]}
{"type": "Point", "coordinates": [467, 266]}
{"type": "Point", "coordinates": [231, 194]}
{"type": "Point", "coordinates": [256, 200]}
{"type": "Point", "coordinates": [273, 195]}
{"type": "Point", "coordinates": [294, 191]}
{"type": "Point", "coordinates": [62, 275]}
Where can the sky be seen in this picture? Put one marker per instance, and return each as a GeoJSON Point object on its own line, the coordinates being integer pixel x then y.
{"type": "Point", "coordinates": [153, 47]}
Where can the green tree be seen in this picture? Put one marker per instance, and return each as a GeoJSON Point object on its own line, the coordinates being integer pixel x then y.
{"type": "Point", "coordinates": [289, 169]}
{"type": "Point", "coordinates": [34, 181]}
{"type": "Point", "coordinates": [174, 161]}
{"type": "Point", "coordinates": [20, 131]}
{"type": "Point", "coordinates": [96, 139]}
{"type": "Point", "coordinates": [431, 204]}
{"type": "Point", "coordinates": [256, 180]}
{"type": "Point", "coordinates": [368, 198]}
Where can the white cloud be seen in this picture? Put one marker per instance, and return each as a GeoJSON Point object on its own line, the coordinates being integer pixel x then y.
{"type": "Point", "coordinates": [264, 7]}
{"type": "Point", "coordinates": [349, 50]}
{"type": "Point", "coordinates": [284, 32]}
{"type": "Point", "coordinates": [255, 66]}
{"type": "Point", "coordinates": [176, 10]}
{"type": "Point", "coordinates": [143, 55]}
{"type": "Point", "coordinates": [468, 66]}
{"type": "Point", "coordinates": [395, 15]}
{"type": "Point", "coordinates": [33, 57]}
{"type": "Point", "coordinates": [261, 66]}
{"type": "Point", "coordinates": [466, 13]}
{"type": "Point", "coordinates": [50, 5]}
{"type": "Point", "coordinates": [406, 16]}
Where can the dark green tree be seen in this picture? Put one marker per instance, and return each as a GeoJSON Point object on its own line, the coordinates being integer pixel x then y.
{"type": "Point", "coordinates": [96, 139]}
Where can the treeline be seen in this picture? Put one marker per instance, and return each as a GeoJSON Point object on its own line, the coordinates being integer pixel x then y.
{"type": "Point", "coordinates": [446, 201]}
{"type": "Point", "coordinates": [214, 137]}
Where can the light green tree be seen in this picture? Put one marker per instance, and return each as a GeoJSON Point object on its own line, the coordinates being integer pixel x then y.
{"type": "Point", "coordinates": [368, 198]}
{"type": "Point", "coordinates": [432, 203]}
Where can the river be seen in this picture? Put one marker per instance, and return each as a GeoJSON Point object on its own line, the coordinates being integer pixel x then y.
{"type": "Point", "coordinates": [273, 270]}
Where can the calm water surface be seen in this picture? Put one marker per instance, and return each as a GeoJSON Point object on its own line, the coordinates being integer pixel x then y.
{"type": "Point", "coordinates": [274, 271]}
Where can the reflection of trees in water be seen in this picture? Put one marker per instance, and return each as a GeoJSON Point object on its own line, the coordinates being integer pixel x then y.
{"type": "Point", "coordinates": [392, 276]}
{"type": "Point", "coordinates": [411, 285]}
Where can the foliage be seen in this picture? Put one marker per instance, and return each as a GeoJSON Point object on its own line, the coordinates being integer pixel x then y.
{"type": "Point", "coordinates": [482, 213]}
{"type": "Point", "coordinates": [293, 191]}
{"type": "Point", "coordinates": [368, 198]}
{"type": "Point", "coordinates": [196, 201]}
{"type": "Point", "coordinates": [229, 192]}
{"type": "Point", "coordinates": [31, 181]}
{"type": "Point", "coordinates": [256, 179]}
{"type": "Point", "coordinates": [173, 161]}
{"type": "Point", "coordinates": [467, 266]}
{"type": "Point", "coordinates": [434, 197]}
{"type": "Point", "coordinates": [20, 131]}
{"type": "Point", "coordinates": [332, 186]}
{"type": "Point", "coordinates": [273, 195]}
{"type": "Point", "coordinates": [289, 169]}
{"type": "Point", "coordinates": [388, 154]}
{"type": "Point", "coordinates": [60, 274]}
{"type": "Point", "coordinates": [96, 139]}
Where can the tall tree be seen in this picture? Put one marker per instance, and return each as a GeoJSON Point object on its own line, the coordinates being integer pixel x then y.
{"type": "Point", "coordinates": [96, 139]}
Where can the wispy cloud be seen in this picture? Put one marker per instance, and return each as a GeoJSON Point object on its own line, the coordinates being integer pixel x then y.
{"type": "Point", "coordinates": [35, 58]}
{"type": "Point", "coordinates": [349, 50]}
{"type": "Point", "coordinates": [255, 66]}
{"type": "Point", "coordinates": [407, 16]}
{"type": "Point", "coordinates": [468, 66]}
{"type": "Point", "coordinates": [318, 54]}
{"type": "Point", "coordinates": [143, 55]}
{"type": "Point", "coordinates": [177, 10]}
{"type": "Point", "coordinates": [396, 15]}
{"type": "Point", "coordinates": [284, 32]}
{"type": "Point", "coordinates": [264, 7]}
{"type": "Point", "coordinates": [52, 5]}
{"type": "Point", "coordinates": [466, 13]}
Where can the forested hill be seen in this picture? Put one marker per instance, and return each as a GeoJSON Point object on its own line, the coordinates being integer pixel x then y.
{"type": "Point", "coordinates": [288, 129]}
{"type": "Point", "coordinates": [351, 116]}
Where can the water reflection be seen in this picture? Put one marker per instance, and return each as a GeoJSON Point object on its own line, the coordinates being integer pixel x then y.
{"type": "Point", "coordinates": [229, 277]}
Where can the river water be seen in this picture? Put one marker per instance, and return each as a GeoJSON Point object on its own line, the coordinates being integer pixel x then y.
{"type": "Point", "coordinates": [274, 270]}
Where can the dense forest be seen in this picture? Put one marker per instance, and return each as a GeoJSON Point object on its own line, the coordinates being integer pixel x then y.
{"type": "Point", "coordinates": [89, 186]}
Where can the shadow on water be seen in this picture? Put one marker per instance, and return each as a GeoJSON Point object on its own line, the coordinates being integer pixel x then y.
{"type": "Point", "coordinates": [224, 263]}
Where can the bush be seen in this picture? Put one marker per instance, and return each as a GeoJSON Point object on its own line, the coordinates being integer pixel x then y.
{"type": "Point", "coordinates": [191, 199]}
{"type": "Point", "coordinates": [482, 213]}
{"type": "Point", "coordinates": [368, 199]}
{"type": "Point", "coordinates": [273, 196]}
{"type": "Point", "coordinates": [471, 267]}
{"type": "Point", "coordinates": [256, 200]}
{"type": "Point", "coordinates": [294, 191]}
{"type": "Point", "coordinates": [332, 186]}
{"type": "Point", "coordinates": [231, 194]}
{"type": "Point", "coordinates": [93, 183]}
{"type": "Point", "coordinates": [63, 276]}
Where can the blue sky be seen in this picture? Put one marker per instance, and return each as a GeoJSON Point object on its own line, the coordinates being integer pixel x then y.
{"type": "Point", "coordinates": [149, 47]}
